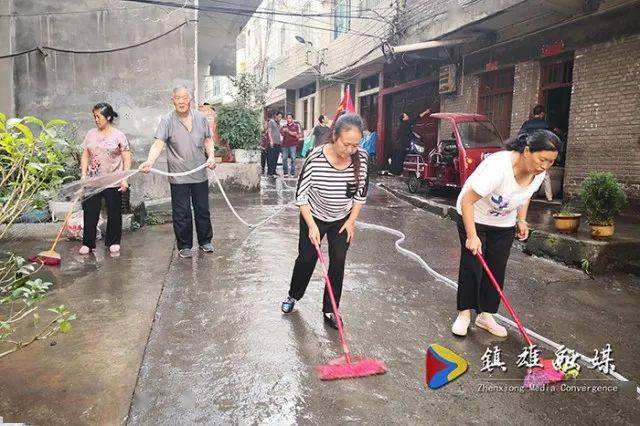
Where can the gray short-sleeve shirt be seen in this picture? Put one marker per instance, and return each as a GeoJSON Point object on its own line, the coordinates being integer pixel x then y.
{"type": "Point", "coordinates": [185, 150]}
{"type": "Point", "coordinates": [274, 128]}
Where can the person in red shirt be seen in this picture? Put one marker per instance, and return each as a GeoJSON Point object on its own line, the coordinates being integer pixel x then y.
{"type": "Point", "coordinates": [291, 134]}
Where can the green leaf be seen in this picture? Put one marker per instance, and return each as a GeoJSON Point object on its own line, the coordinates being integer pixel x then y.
{"type": "Point", "coordinates": [54, 123]}
{"type": "Point", "coordinates": [33, 120]}
{"type": "Point", "coordinates": [65, 327]}
{"type": "Point", "coordinates": [24, 130]}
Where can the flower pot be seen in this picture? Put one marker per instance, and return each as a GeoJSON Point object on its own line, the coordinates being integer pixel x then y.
{"type": "Point", "coordinates": [567, 223]}
{"type": "Point", "coordinates": [59, 209]}
{"type": "Point", "coordinates": [601, 231]}
{"type": "Point", "coordinates": [246, 156]}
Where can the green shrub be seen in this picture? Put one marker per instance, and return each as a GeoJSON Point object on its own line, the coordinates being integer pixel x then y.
{"type": "Point", "coordinates": [31, 161]}
{"type": "Point", "coordinates": [238, 126]}
{"type": "Point", "coordinates": [602, 197]}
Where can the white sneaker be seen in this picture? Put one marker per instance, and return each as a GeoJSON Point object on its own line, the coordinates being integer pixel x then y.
{"type": "Point", "coordinates": [461, 324]}
{"type": "Point", "coordinates": [114, 248]}
{"type": "Point", "coordinates": [488, 323]}
{"type": "Point", "coordinates": [84, 250]}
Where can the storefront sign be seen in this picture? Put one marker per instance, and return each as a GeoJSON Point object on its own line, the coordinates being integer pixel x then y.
{"type": "Point", "coordinates": [552, 49]}
{"type": "Point", "coordinates": [491, 66]}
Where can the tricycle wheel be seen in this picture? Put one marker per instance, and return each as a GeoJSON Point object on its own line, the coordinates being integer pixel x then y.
{"type": "Point", "coordinates": [414, 184]}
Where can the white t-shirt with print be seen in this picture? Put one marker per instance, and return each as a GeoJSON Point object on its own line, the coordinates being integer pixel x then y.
{"type": "Point", "coordinates": [501, 194]}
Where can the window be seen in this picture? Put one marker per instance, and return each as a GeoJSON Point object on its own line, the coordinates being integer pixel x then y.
{"type": "Point", "coordinates": [369, 83]}
{"type": "Point", "coordinates": [216, 86]}
{"type": "Point", "coordinates": [479, 134]}
{"type": "Point", "coordinates": [341, 17]}
{"type": "Point", "coordinates": [271, 74]}
{"type": "Point", "coordinates": [304, 29]}
{"type": "Point", "coordinates": [307, 90]}
{"type": "Point", "coordinates": [366, 5]}
{"type": "Point", "coordinates": [283, 38]}
{"type": "Point", "coordinates": [495, 96]}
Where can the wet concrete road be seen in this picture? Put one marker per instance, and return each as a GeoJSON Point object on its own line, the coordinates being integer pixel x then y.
{"type": "Point", "coordinates": [221, 352]}
{"type": "Point", "coordinates": [164, 340]}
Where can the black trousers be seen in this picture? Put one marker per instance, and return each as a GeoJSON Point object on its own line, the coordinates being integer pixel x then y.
{"type": "Point", "coordinates": [475, 291]}
{"type": "Point", "coordinates": [263, 159]}
{"type": "Point", "coordinates": [307, 258]}
{"type": "Point", "coordinates": [397, 160]}
{"type": "Point", "coordinates": [182, 197]}
{"type": "Point", "coordinates": [272, 159]}
{"type": "Point", "coordinates": [91, 214]}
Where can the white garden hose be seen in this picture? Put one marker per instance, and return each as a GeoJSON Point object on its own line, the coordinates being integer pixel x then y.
{"type": "Point", "coordinates": [408, 253]}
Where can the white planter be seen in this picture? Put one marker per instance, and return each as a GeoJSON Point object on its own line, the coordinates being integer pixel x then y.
{"type": "Point", "coordinates": [245, 156]}
{"type": "Point", "coordinates": [59, 209]}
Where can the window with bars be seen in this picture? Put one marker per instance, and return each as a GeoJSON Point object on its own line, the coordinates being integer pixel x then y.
{"type": "Point", "coordinates": [341, 17]}
{"type": "Point", "coordinates": [495, 96]}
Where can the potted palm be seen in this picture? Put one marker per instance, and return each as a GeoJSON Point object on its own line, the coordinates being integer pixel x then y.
{"type": "Point", "coordinates": [567, 220]}
{"type": "Point", "coordinates": [603, 200]}
{"type": "Point", "coordinates": [239, 127]}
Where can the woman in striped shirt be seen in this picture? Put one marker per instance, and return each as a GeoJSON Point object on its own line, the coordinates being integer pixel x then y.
{"type": "Point", "coordinates": [332, 189]}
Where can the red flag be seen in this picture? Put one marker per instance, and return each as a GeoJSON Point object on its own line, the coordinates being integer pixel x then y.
{"type": "Point", "coordinates": [345, 105]}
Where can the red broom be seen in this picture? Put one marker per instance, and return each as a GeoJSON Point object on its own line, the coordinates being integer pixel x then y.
{"type": "Point", "coordinates": [536, 376]}
{"type": "Point", "coordinates": [346, 366]}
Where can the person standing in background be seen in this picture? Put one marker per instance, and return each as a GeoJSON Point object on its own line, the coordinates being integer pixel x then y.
{"type": "Point", "coordinates": [273, 152]}
{"type": "Point", "coordinates": [291, 134]}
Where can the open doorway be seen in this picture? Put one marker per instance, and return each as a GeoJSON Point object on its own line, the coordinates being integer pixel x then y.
{"type": "Point", "coordinates": [556, 79]}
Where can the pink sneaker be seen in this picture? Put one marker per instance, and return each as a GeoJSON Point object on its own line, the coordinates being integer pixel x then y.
{"type": "Point", "coordinates": [115, 248]}
{"type": "Point", "coordinates": [84, 250]}
{"type": "Point", "coordinates": [488, 323]}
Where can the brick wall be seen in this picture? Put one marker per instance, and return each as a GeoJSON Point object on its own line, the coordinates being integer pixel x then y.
{"type": "Point", "coordinates": [526, 81]}
{"type": "Point", "coordinates": [465, 99]}
{"type": "Point", "coordinates": [604, 125]}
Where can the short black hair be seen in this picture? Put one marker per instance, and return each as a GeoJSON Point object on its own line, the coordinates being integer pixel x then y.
{"type": "Point", "coordinates": [321, 118]}
{"type": "Point", "coordinates": [538, 109]}
{"type": "Point", "coordinates": [290, 114]}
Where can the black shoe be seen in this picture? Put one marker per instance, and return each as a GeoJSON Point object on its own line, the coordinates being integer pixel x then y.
{"type": "Point", "coordinates": [330, 320]}
{"type": "Point", "coordinates": [288, 304]}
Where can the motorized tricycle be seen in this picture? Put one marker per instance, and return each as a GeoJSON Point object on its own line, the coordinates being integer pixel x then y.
{"type": "Point", "coordinates": [463, 141]}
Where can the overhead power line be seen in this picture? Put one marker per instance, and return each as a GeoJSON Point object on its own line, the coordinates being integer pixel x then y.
{"type": "Point", "coordinates": [249, 12]}
{"type": "Point", "coordinates": [84, 52]}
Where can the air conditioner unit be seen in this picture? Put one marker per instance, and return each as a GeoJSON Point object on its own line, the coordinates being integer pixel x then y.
{"type": "Point", "coordinates": [447, 83]}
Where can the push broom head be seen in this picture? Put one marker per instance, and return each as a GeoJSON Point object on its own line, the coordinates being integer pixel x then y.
{"type": "Point", "coordinates": [540, 376]}
{"type": "Point", "coordinates": [339, 368]}
{"type": "Point", "coordinates": [48, 257]}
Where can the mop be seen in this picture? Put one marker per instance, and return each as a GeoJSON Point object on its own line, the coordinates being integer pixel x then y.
{"type": "Point", "coordinates": [536, 376]}
{"type": "Point", "coordinates": [347, 366]}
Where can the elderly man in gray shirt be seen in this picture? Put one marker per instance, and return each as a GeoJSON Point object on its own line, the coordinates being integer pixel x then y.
{"type": "Point", "coordinates": [186, 134]}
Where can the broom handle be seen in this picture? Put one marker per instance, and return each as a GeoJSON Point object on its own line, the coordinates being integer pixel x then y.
{"type": "Point", "coordinates": [504, 299]}
{"type": "Point", "coordinates": [334, 306]}
{"type": "Point", "coordinates": [64, 225]}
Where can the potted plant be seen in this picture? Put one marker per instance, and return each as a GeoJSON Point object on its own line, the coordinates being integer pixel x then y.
{"type": "Point", "coordinates": [239, 127]}
{"type": "Point", "coordinates": [567, 220]}
{"type": "Point", "coordinates": [603, 200]}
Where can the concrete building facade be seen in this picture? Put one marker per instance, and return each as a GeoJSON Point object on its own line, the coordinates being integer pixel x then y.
{"type": "Point", "coordinates": [579, 59]}
{"type": "Point", "coordinates": [127, 54]}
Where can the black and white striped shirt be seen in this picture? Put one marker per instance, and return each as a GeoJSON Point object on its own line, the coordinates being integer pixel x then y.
{"type": "Point", "coordinates": [328, 191]}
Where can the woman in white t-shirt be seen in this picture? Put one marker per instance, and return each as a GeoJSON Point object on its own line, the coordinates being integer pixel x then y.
{"type": "Point", "coordinates": [492, 208]}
